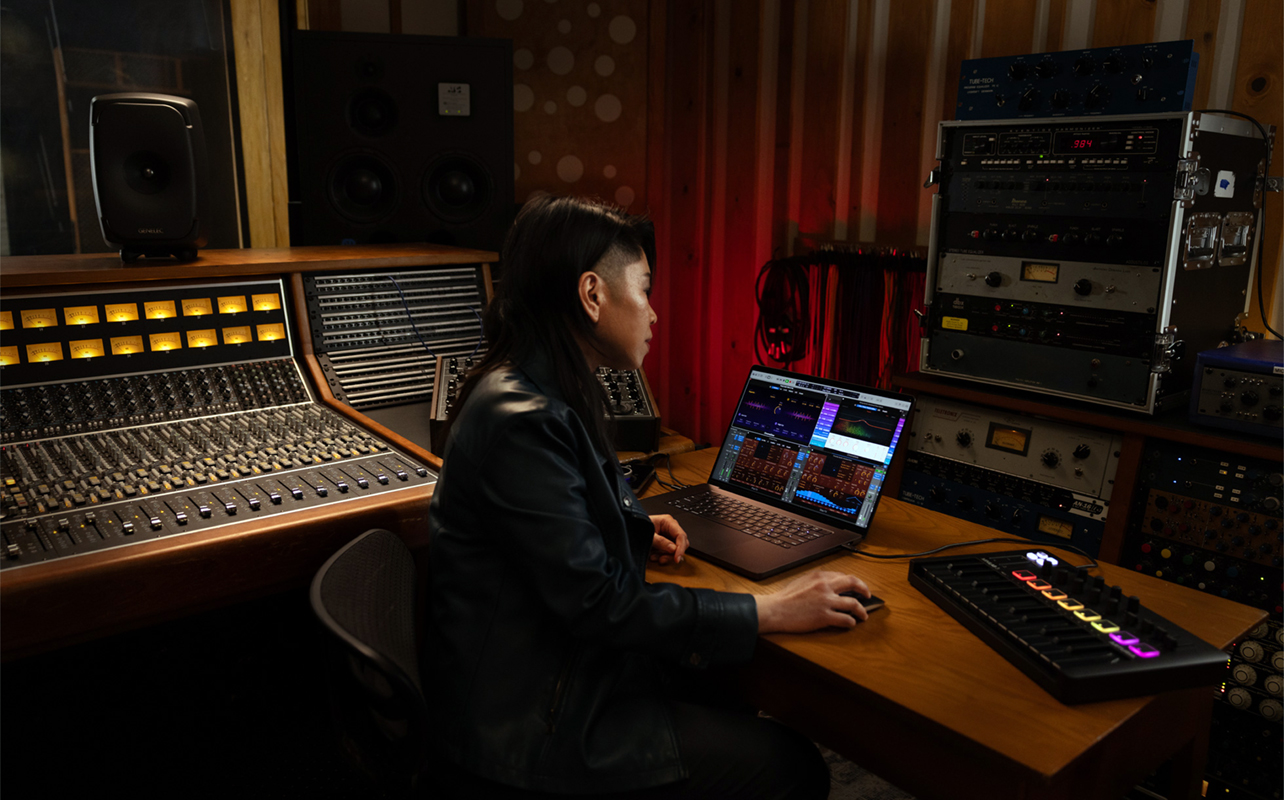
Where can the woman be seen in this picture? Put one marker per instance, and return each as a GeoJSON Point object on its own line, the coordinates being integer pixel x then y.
{"type": "Point", "coordinates": [552, 661]}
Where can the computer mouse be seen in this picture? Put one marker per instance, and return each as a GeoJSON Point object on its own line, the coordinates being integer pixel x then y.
{"type": "Point", "coordinates": [871, 603]}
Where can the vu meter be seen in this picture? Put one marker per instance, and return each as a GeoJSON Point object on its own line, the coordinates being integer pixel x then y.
{"type": "Point", "coordinates": [126, 345]}
{"type": "Point", "coordinates": [1045, 273]}
{"type": "Point", "coordinates": [204, 338]}
{"type": "Point", "coordinates": [238, 335]}
{"type": "Point", "coordinates": [39, 318]}
{"type": "Point", "coordinates": [122, 312]}
{"type": "Point", "coordinates": [165, 341]}
{"type": "Point", "coordinates": [267, 302]}
{"type": "Point", "coordinates": [8, 355]}
{"type": "Point", "coordinates": [160, 309]}
{"type": "Point", "coordinates": [51, 351]}
{"type": "Point", "coordinates": [270, 333]}
{"type": "Point", "coordinates": [197, 307]}
{"type": "Point", "coordinates": [231, 305]}
{"type": "Point", "coordinates": [81, 315]}
{"type": "Point", "coordinates": [6, 320]}
{"type": "Point", "coordinates": [87, 348]}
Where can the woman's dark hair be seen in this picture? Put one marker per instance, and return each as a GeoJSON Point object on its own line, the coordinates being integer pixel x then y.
{"type": "Point", "coordinates": [537, 306]}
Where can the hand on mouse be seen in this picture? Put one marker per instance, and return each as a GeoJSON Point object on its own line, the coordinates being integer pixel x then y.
{"type": "Point", "coordinates": [813, 601]}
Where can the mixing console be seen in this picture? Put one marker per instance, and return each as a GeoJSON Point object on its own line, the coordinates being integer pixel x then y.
{"type": "Point", "coordinates": [1079, 639]}
{"type": "Point", "coordinates": [637, 422]}
{"type": "Point", "coordinates": [192, 460]}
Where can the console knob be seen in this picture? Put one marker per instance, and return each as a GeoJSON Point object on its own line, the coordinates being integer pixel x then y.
{"type": "Point", "coordinates": [1249, 398]}
{"type": "Point", "coordinates": [1029, 235]}
{"type": "Point", "coordinates": [1226, 406]}
{"type": "Point", "coordinates": [989, 234]}
{"type": "Point", "coordinates": [1271, 413]}
{"type": "Point", "coordinates": [1085, 66]}
{"type": "Point", "coordinates": [1050, 458]}
{"type": "Point", "coordinates": [1083, 287]}
{"type": "Point", "coordinates": [1017, 71]}
{"type": "Point", "coordinates": [963, 438]}
{"type": "Point", "coordinates": [1114, 64]}
{"type": "Point", "coordinates": [1060, 98]}
{"type": "Point", "coordinates": [1097, 97]}
{"type": "Point", "coordinates": [965, 503]}
{"type": "Point", "coordinates": [1073, 237]}
{"type": "Point", "coordinates": [937, 494]}
{"type": "Point", "coordinates": [1029, 99]}
{"type": "Point", "coordinates": [1230, 383]}
{"type": "Point", "coordinates": [1011, 235]}
{"type": "Point", "coordinates": [1082, 451]}
{"type": "Point", "coordinates": [993, 510]}
{"type": "Point", "coordinates": [994, 279]}
{"type": "Point", "coordinates": [1046, 68]}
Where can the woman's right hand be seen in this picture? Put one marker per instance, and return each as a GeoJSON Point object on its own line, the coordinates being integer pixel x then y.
{"type": "Point", "coordinates": [812, 601]}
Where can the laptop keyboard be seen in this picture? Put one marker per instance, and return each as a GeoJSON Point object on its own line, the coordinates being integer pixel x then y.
{"type": "Point", "coordinates": [753, 520]}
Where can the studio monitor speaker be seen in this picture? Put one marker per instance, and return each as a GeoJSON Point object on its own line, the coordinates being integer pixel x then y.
{"type": "Point", "coordinates": [147, 156]}
{"type": "Point", "coordinates": [401, 139]}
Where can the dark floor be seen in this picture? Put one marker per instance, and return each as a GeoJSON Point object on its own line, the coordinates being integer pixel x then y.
{"type": "Point", "coordinates": [227, 704]}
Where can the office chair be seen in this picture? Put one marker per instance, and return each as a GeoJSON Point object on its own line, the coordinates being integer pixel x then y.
{"type": "Point", "coordinates": [364, 597]}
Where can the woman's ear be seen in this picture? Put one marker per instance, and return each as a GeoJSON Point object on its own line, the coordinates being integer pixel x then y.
{"type": "Point", "coordinates": [591, 287]}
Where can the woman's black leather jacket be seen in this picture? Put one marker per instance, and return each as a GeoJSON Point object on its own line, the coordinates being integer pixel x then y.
{"type": "Point", "coordinates": [547, 650]}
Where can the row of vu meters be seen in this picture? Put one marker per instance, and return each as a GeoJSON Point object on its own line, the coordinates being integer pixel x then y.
{"type": "Point", "coordinates": [107, 451]}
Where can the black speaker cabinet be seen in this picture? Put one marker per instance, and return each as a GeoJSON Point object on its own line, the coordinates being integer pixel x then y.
{"type": "Point", "coordinates": [401, 139]}
{"type": "Point", "coordinates": [151, 179]}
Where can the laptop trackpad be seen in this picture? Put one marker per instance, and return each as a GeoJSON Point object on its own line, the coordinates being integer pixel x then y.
{"type": "Point", "coordinates": [709, 537]}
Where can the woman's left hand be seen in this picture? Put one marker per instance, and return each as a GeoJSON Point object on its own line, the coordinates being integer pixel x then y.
{"type": "Point", "coordinates": [670, 542]}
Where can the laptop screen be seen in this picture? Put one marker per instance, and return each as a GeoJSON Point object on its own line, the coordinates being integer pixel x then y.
{"type": "Point", "coordinates": [815, 445]}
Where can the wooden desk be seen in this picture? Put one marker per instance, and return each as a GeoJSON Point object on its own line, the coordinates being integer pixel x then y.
{"type": "Point", "coordinates": [921, 701]}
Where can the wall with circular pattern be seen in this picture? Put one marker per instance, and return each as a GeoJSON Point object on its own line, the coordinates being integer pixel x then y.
{"type": "Point", "coordinates": [579, 94]}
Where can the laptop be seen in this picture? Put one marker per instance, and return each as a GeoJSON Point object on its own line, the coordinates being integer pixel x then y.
{"type": "Point", "coordinates": [798, 476]}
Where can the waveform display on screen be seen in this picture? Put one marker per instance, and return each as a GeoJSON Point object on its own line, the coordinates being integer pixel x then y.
{"type": "Point", "coordinates": [764, 465]}
{"type": "Point", "coordinates": [834, 484]}
{"type": "Point", "coordinates": [870, 426]}
{"type": "Point", "coordinates": [816, 498]}
{"type": "Point", "coordinates": [789, 414]}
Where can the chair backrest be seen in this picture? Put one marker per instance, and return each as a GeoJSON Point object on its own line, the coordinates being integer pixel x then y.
{"type": "Point", "coordinates": [364, 598]}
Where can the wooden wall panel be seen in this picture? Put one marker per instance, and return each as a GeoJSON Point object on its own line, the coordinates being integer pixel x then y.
{"type": "Point", "coordinates": [957, 50]}
{"type": "Point", "coordinates": [678, 293]}
{"type": "Point", "coordinates": [1056, 25]}
{"type": "Point", "coordinates": [860, 84]}
{"type": "Point", "coordinates": [732, 310]}
{"type": "Point", "coordinates": [1259, 92]}
{"type": "Point", "coordinates": [1201, 26]}
{"type": "Point", "coordinates": [257, 36]}
{"type": "Point", "coordinates": [1009, 27]}
{"type": "Point", "coordinates": [1122, 22]}
{"type": "Point", "coordinates": [826, 22]}
{"type": "Point", "coordinates": [900, 184]}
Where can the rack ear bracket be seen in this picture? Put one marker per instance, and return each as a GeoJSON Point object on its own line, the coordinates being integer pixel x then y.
{"type": "Point", "coordinates": [1274, 183]}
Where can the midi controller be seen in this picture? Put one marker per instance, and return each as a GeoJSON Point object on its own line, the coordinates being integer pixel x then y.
{"type": "Point", "coordinates": [132, 415]}
{"type": "Point", "coordinates": [1079, 639]}
{"type": "Point", "coordinates": [1090, 257]}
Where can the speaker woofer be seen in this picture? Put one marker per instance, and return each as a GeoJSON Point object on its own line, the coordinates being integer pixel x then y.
{"type": "Point", "coordinates": [363, 187]}
{"type": "Point", "coordinates": [373, 113]}
{"type": "Point", "coordinates": [457, 188]}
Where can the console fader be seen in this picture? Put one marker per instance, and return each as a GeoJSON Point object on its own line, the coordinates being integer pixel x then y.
{"type": "Point", "coordinates": [182, 416]}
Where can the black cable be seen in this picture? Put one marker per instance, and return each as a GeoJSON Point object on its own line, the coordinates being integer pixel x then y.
{"type": "Point", "coordinates": [481, 331]}
{"type": "Point", "coordinates": [668, 463]}
{"type": "Point", "coordinates": [410, 318]}
{"type": "Point", "coordinates": [783, 293]}
{"type": "Point", "coordinates": [1092, 564]}
{"type": "Point", "coordinates": [1261, 230]}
